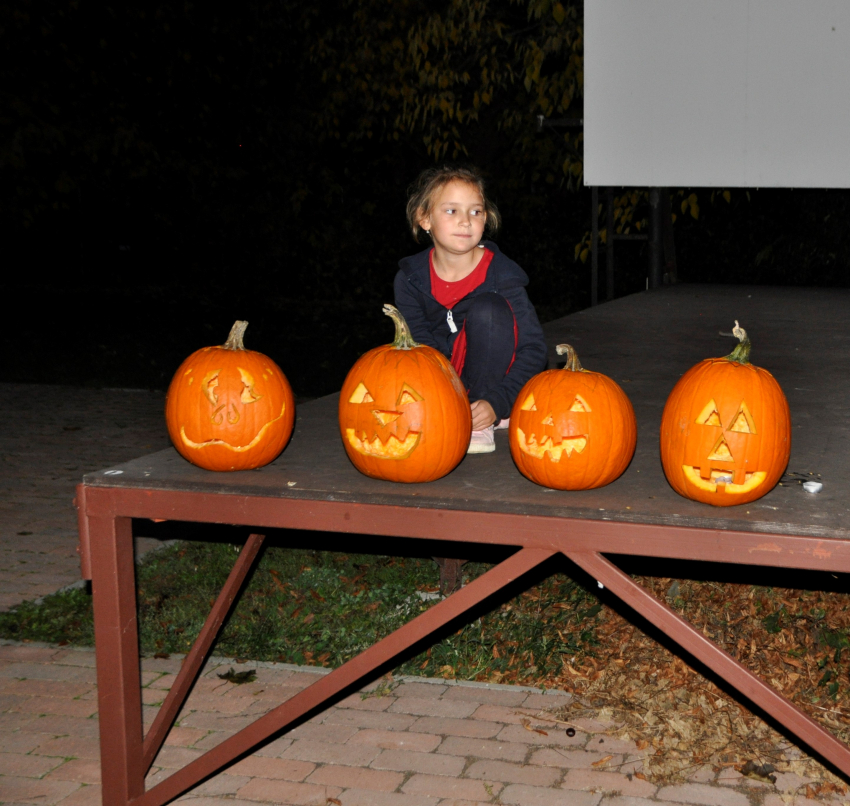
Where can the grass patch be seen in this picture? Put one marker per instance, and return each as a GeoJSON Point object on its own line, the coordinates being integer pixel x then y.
{"type": "Point", "coordinates": [323, 608]}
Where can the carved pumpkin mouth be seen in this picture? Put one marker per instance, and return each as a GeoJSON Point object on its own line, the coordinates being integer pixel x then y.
{"type": "Point", "coordinates": [393, 448]}
{"type": "Point", "coordinates": [721, 480]}
{"type": "Point", "coordinates": [547, 447]}
{"type": "Point", "coordinates": [237, 448]}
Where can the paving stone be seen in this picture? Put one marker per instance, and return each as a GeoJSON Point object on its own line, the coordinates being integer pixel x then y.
{"type": "Point", "coordinates": [26, 765]}
{"type": "Point", "coordinates": [491, 770]}
{"type": "Point", "coordinates": [70, 747]}
{"type": "Point", "coordinates": [297, 794]}
{"type": "Point", "coordinates": [359, 702]}
{"type": "Point", "coordinates": [501, 713]}
{"type": "Point", "coordinates": [335, 734]}
{"type": "Point", "coordinates": [703, 794]}
{"type": "Point", "coordinates": [54, 725]}
{"type": "Point", "coordinates": [49, 688]}
{"type": "Point", "coordinates": [356, 777]}
{"type": "Point", "coordinates": [55, 705]}
{"type": "Point", "coordinates": [360, 797]}
{"type": "Point", "coordinates": [262, 767]}
{"type": "Point", "coordinates": [173, 758]}
{"type": "Point", "coordinates": [553, 736]}
{"type": "Point", "coordinates": [557, 757]}
{"type": "Point", "coordinates": [90, 795]}
{"type": "Point", "coordinates": [35, 790]}
{"type": "Point", "coordinates": [397, 740]}
{"type": "Point", "coordinates": [226, 785]}
{"type": "Point", "coordinates": [82, 770]}
{"type": "Point", "coordinates": [445, 787]}
{"type": "Point", "coordinates": [627, 800]}
{"type": "Point", "coordinates": [608, 782]}
{"type": "Point", "coordinates": [18, 742]}
{"type": "Point", "coordinates": [498, 696]}
{"type": "Point", "coordinates": [422, 706]}
{"type": "Point", "coordinates": [447, 726]}
{"type": "Point", "coordinates": [482, 748]}
{"type": "Point", "coordinates": [322, 753]}
{"type": "Point", "coordinates": [184, 737]}
{"type": "Point", "coordinates": [424, 690]}
{"type": "Point", "coordinates": [369, 719]}
{"type": "Point", "coordinates": [429, 763]}
{"type": "Point", "coordinates": [524, 795]}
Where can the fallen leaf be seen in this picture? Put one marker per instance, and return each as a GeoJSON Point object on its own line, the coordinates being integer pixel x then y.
{"type": "Point", "coordinates": [239, 678]}
{"type": "Point", "coordinates": [602, 761]}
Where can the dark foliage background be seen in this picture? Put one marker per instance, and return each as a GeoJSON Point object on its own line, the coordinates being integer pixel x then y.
{"type": "Point", "coordinates": [169, 169]}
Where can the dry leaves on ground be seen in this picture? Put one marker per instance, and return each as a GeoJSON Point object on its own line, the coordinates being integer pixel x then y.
{"type": "Point", "coordinates": [681, 721]}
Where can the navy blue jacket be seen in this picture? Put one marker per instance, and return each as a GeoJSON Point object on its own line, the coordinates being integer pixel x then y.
{"type": "Point", "coordinates": [429, 324]}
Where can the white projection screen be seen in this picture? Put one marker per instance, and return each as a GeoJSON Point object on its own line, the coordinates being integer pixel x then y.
{"type": "Point", "coordinates": [717, 93]}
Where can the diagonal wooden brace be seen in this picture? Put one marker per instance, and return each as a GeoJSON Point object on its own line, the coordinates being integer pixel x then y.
{"type": "Point", "coordinates": [341, 678]}
{"type": "Point", "coordinates": [193, 662]}
{"type": "Point", "coordinates": [705, 650]}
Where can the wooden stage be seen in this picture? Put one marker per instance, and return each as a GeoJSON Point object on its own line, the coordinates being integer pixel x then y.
{"type": "Point", "coordinates": [645, 342]}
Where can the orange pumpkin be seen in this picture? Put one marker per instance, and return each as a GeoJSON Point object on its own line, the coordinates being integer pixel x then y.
{"type": "Point", "coordinates": [726, 430]}
{"type": "Point", "coordinates": [229, 408]}
{"type": "Point", "coordinates": [572, 429]}
{"type": "Point", "coordinates": [403, 412]}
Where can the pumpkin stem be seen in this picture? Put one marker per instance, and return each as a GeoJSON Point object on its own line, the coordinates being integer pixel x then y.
{"type": "Point", "coordinates": [237, 333]}
{"type": "Point", "coordinates": [403, 336]}
{"type": "Point", "coordinates": [573, 363]}
{"type": "Point", "coordinates": [741, 353]}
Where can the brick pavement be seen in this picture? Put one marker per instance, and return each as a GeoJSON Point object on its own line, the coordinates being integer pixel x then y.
{"type": "Point", "coordinates": [406, 742]}
{"type": "Point", "coordinates": [52, 436]}
{"type": "Point", "coordinates": [402, 742]}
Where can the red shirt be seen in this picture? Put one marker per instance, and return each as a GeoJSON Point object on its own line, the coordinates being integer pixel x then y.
{"type": "Point", "coordinates": [448, 294]}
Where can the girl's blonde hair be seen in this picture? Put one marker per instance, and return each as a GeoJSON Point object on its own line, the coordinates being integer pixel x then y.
{"type": "Point", "coordinates": [429, 183]}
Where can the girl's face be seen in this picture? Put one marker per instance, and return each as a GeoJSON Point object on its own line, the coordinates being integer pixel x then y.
{"type": "Point", "coordinates": [457, 218]}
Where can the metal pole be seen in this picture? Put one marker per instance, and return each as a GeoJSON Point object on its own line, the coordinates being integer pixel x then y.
{"type": "Point", "coordinates": [594, 246]}
{"type": "Point", "coordinates": [656, 269]}
{"type": "Point", "coordinates": [609, 245]}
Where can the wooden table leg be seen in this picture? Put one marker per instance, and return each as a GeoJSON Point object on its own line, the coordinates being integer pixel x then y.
{"type": "Point", "coordinates": [451, 575]}
{"type": "Point", "coordinates": [117, 652]}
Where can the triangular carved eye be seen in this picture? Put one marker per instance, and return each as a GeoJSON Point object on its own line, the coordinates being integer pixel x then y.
{"type": "Point", "coordinates": [721, 452]}
{"type": "Point", "coordinates": [580, 404]}
{"type": "Point", "coordinates": [743, 422]}
{"type": "Point", "coordinates": [709, 415]}
{"type": "Point", "coordinates": [408, 395]}
{"type": "Point", "coordinates": [361, 395]}
{"type": "Point", "coordinates": [549, 420]}
{"type": "Point", "coordinates": [529, 404]}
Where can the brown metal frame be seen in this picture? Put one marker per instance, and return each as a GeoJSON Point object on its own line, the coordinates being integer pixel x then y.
{"type": "Point", "coordinates": [106, 547]}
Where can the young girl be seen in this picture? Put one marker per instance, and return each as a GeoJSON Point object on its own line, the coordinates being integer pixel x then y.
{"type": "Point", "coordinates": [463, 297]}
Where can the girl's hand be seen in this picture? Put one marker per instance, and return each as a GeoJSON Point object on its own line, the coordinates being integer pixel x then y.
{"type": "Point", "coordinates": [482, 415]}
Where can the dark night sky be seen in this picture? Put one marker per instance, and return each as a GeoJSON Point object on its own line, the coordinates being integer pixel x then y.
{"type": "Point", "coordinates": [165, 175]}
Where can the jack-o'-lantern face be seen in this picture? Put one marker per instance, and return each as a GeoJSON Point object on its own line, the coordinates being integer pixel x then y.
{"type": "Point", "coordinates": [545, 442]}
{"type": "Point", "coordinates": [717, 453]}
{"type": "Point", "coordinates": [395, 431]}
{"type": "Point", "coordinates": [572, 429]}
{"type": "Point", "coordinates": [725, 431]}
{"type": "Point", "coordinates": [229, 408]}
{"type": "Point", "coordinates": [403, 412]}
{"type": "Point", "coordinates": [232, 396]}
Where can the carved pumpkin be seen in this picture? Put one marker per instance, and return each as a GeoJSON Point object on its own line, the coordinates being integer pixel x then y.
{"type": "Point", "coordinates": [403, 412]}
{"type": "Point", "coordinates": [726, 430]}
{"type": "Point", "coordinates": [229, 408]}
{"type": "Point", "coordinates": [572, 429]}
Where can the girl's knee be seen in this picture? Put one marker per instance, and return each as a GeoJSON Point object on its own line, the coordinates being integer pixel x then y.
{"type": "Point", "coordinates": [490, 309]}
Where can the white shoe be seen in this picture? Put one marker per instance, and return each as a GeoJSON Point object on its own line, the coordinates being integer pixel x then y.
{"type": "Point", "coordinates": [502, 424]}
{"type": "Point", "coordinates": [483, 441]}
